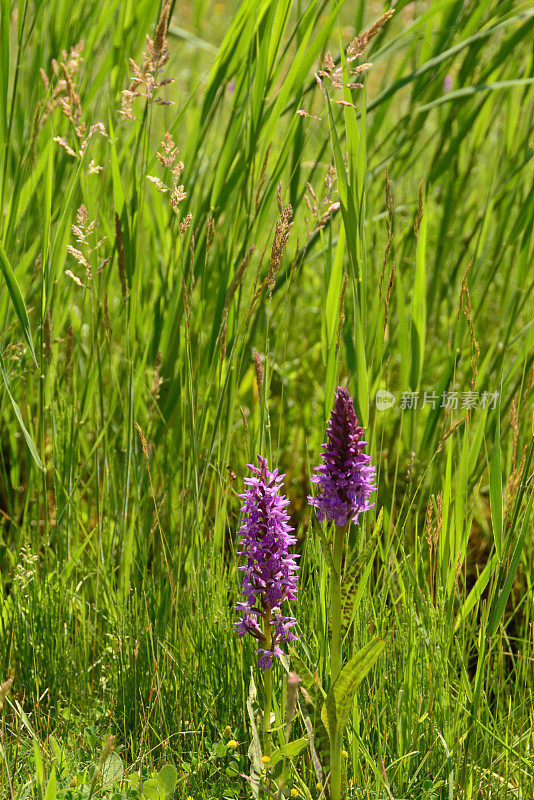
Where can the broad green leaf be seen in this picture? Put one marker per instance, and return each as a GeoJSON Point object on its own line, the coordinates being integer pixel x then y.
{"type": "Point", "coordinates": [339, 701]}
{"type": "Point", "coordinates": [289, 750]}
{"type": "Point", "coordinates": [167, 778]}
{"type": "Point", "coordinates": [351, 591]}
{"type": "Point", "coordinates": [152, 790]}
{"type": "Point", "coordinates": [38, 760]}
{"type": "Point", "coordinates": [112, 768]}
{"type": "Point", "coordinates": [51, 787]}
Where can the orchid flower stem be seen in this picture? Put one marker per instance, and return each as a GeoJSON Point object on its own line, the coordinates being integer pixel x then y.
{"type": "Point", "coordinates": [335, 587]}
{"type": "Point", "coordinates": [267, 686]}
{"type": "Point", "coordinates": [335, 653]}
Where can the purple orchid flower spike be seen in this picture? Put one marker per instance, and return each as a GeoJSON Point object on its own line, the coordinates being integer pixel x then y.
{"type": "Point", "coordinates": [345, 478]}
{"type": "Point", "coordinates": [270, 571]}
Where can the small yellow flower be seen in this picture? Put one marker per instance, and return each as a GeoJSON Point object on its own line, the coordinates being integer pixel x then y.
{"type": "Point", "coordinates": [294, 792]}
{"type": "Point", "coordinates": [190, 798]}
{"type": "Point", "coordinates": [227, 731]}
{"type": "Point", "coordinates": [318, 787]}
{"type": "Point", "coordinates": [232, 744]}
{"type": "Point", "coordinates": [344, 754]}
{"type": "Point", "coordinates": [266, 759]}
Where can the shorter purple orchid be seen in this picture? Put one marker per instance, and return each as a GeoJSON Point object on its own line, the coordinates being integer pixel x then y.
{"type": "Point", "coordinates": [270, 571]}
{"type": "Point", "coordinates": [345, 478]}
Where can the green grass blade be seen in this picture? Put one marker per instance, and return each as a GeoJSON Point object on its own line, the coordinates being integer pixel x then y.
{"type": "Point", "coordinates": [16, 299]}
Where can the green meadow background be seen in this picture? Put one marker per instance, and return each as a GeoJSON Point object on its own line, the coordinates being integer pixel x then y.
{"type": "Point", "coordinates": [131, 398]}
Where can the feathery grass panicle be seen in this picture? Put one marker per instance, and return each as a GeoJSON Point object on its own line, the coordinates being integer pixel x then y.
{"type": "Point", "coordinates": [281, 236]}
{"type": "Point", "coordinates": [258, 368]}
{"type": "Point", "coordinates": [145, 80]}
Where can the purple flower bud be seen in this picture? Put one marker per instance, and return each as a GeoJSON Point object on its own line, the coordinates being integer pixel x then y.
{"type": "Point", "coordinates": [270, 572]}
{"type": "Point", "coordinates": [345, 478]}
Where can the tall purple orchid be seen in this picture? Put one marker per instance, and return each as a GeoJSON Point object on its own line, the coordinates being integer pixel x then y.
{"type": "Point", "coordinates": [345, 481]}
{"type": "Point", "coordinates": [345, 478]}
{"type": "Point", "coordinates": [270, 571]}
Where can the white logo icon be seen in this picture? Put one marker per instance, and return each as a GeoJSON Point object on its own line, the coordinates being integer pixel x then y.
{"type": "Point", "coordinates": [384, 400]}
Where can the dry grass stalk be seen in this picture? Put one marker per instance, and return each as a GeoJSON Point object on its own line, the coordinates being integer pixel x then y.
{"type": "Point", "coordinates": [517, 469]}
{"type": "Point", "coordinates": [60, 89]}
{"type": "Point", "coordinates": [186, 303]}
{"type": "Point", "coordinates": [168, 158]}
{"type": "Point", "coordinates": [465, 306]}
{"type": "Point", "coordinates": [321, 218]}
{"type": "Point", "coordinates": [185, 223]}
{"type": "Point", "coordinates": [448, 433]}
{"type": "Point", "coordinates": [121, 255]}
{"type": "Point", "coordinates": [458, 570]}
{"type": "Point", "coordinates": [293, 681]}
{"type": "Point", "coordinates": [245, 424]}
{"type": "Point", "coordinates": [419, 213]}
{"type": "Point", "coordinates": [84, 231]}
{"type": "Point", "coordinates": [360, 43]}
{"type": "Point", "coordinates": [61, 93]}
{"type": "Point", "coordinates": [192, 243]}
{"type": "Point", "coordinates": [433, 533]}
{"type": "Point", "coordinates": [388, 295]}
{"type": "Point", "coordinates": [155, 59]}
{"type": "Point", "coordinates": [428, 527]}
{"type": "Point", "coordinates": [143, 441]}
{"type": "Point", "coordinates": [178, 194]}
{"type": "Point", "coordinates": [210, 232]}
{"type": "Point", "coordinates": [258, 369]}
{"type": "Point", "coordinates": [354, 52]}
{"type": "Point", "coordinates": [281, 235]}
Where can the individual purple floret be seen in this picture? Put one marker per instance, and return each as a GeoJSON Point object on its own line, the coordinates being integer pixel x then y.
{"type": "Point", "coordinates": [270, 571]}
{"type": "Point", "coordinates": [345, 478]}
